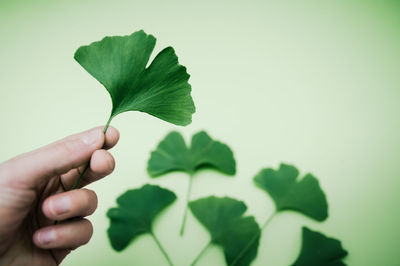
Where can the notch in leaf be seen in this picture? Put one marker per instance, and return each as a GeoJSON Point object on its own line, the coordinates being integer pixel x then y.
{"type": "Point", "coordinates": [319, 250]}
{"type": "Point", "coordinates": [120, 64]}
{"type": "Point", "coordinates": [135, 215]}
{"type": "Point", "coordinates": [229, 229]}
{"type": "Point", "coordinates": [172, 154]}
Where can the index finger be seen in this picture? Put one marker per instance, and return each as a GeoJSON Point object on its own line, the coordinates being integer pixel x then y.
{"type": "Point", "coordinates": [36, 167]}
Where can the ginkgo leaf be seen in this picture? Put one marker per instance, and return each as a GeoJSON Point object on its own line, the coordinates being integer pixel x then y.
{"type": "Point", "coordinates": [304, 196]}
{"type": "Point", "coordinates": [136, 213]}
{"type": "Point", "coordinates": [172, 154]}
{"type": "Point", "coordinates": [319, 250]}
{"type": "Point", "coordinates": [120, 64]}
{"type": "Point", "coordinates": [229, 229]}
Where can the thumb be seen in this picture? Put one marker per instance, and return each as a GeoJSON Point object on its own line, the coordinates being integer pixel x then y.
{"type": "Point", "coordinates": [35, 167]}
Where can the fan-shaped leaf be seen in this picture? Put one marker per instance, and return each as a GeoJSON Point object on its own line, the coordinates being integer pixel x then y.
{"type": "Point", "coordinates": [304, 196]}
{"type": "Point", "coordinates": [135, 214]}
{"type": "Point", "coordinates": [161, 89]}
{"type": "Point", "coordinates": [223, 218]}
{"type": "Point", "coordinates": [173, 155]}
{"type": "Point", "coordinates": [319, 250]}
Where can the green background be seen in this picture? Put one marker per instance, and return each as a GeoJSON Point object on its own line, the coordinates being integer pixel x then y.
{"type": "Point", "coordinates": [311, 83]}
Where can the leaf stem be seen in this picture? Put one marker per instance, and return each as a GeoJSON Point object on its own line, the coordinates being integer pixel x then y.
{"type": "Point", "coordinates": [266, 223]}
{"type": "Point", "coordinates": [251, 242]}
{"type": "Point", "coordinates": [200, 254]}
{"type": "Point", "coordinates": [189, 191]}
{"type": "Point", "coordinates": [88, 163]}
{"type": "Point", "coordinates": [107, 124]}
{"type": "Point", "coordinates": [161, 248]}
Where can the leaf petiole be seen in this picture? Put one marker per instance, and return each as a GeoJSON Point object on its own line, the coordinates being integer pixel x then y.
{"type": "Point", "coordinates": [189, 191]}
{"type": "Point", "coordinates": [268, 220]}
{"type": "Point", "coordinates": [161, 248]}
{"type": "Point", "coordinates": [200, 254]}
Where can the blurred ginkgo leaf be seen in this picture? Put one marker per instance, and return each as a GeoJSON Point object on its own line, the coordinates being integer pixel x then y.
{"type": "Point", "coordinates": [319, 250]}
{"type": "Point", "coordinates": [304, 196]}
{"type": "Point", "coordinates": [172, 154]}
{"type": "Point", "coordinates": [135, 214]}
{"type": "Point", "coordinates": [224, 220]}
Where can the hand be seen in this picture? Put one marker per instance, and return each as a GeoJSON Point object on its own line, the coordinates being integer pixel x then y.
{"type": "Point", "coordinates": [35, 192]}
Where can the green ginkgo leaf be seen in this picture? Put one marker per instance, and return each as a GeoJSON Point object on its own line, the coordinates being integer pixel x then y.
{"type": "Point", "coordinates": [135, 214]}
{"type": "Point", "coordinates": [304, 196]}
{"type": "Point", "coordinates": [172, 154]}
{"type": "Point", "coordinates": [229, 229]}
{"type": "Point", "coordinates": [120, 64]}
{"type": "Point", "coordinates": [319, 250]}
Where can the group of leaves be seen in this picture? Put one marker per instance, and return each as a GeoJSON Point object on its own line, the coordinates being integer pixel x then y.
{"type": "Point", "coordinates": [161, 89]}
{"type": "Point", "coordinates": [224, 217]}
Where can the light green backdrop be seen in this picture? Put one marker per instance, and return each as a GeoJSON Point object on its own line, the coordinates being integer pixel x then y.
{"type": "Point", "coordinates": [312, 83]}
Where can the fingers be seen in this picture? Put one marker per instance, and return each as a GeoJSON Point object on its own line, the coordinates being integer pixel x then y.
{"type": "Point", "coordinates": [33, 168]}
{"type": "Point", "coordinates": [111, 139]}
{"type": "Point", "coordinates": [60, 254]}
{"type": "Point", "coordinates": [102, 163]}
{"type": "Point", "coordinates": [66, 235]}
{"type": "Point", "coordinates": [74, 203]}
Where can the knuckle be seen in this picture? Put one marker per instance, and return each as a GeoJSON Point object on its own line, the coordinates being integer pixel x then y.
{"type": "Point", "coordinates": [68, 147]}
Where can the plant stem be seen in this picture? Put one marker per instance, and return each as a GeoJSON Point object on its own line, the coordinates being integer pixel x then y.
{"type": "Point", "coordinates": [200, 254]}
{"type": "Point", "coordinates": [161, 248]}
{"type": "Point", "coordinates": [88, 164]}
{"type": "Point", "coordinates": [251, 242]}
{"type": "Point", "coordinates": [189, 191]}
{"type": "Point", "coordinates": [268, 220]}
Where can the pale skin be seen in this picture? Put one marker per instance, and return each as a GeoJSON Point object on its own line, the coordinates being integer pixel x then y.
{"type": "Point", "coordinates": [35, 192]}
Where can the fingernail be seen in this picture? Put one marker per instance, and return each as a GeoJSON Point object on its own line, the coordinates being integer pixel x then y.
{"type": "Point", "coordinates": [47, 236]}
{"type": "Point", "coordinates": [60, 205]}
{"type": "Point", "coordinates": [91, 137]}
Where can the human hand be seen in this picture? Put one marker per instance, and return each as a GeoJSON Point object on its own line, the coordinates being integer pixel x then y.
{"type": "Point", "coordinates": [34, 193]}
